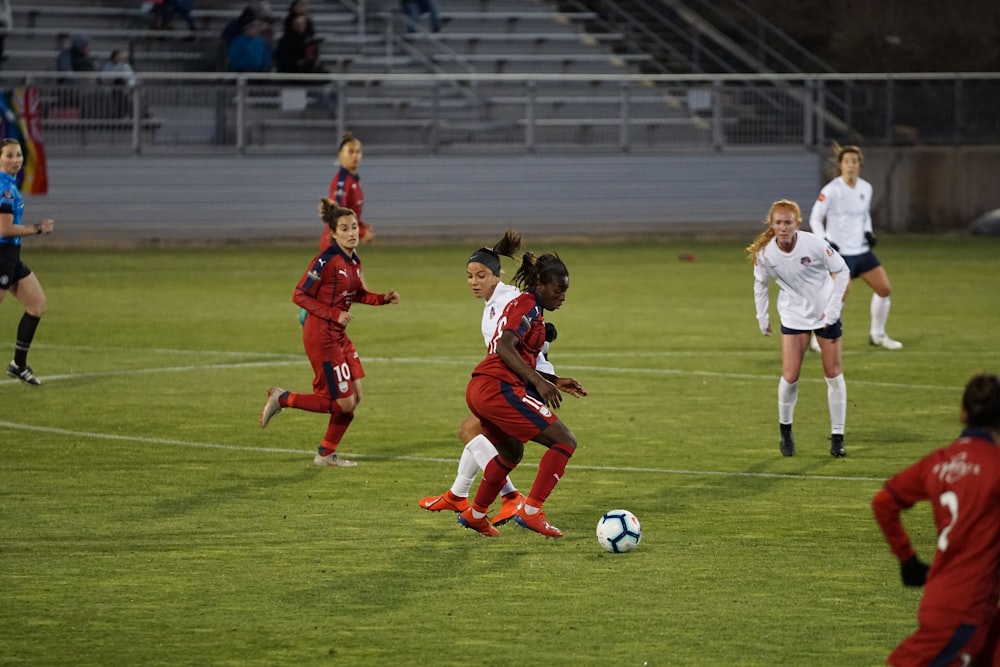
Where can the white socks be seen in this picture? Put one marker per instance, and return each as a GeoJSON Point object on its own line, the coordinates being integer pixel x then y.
{"type": "Point", "coordinates": [836, 396]}
{"type": "Point", "coordinates": [477, 454]}
{"type": "Point", "coordinates": [880, 314]}
{"type": "Point", "coordinates": [788, 394]}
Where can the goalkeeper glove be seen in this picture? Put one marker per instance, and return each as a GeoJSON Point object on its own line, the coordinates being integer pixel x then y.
{"type": "Point", "coordinates": [913, 571]}
{"type": "Point", "coordinates": [870, 239]}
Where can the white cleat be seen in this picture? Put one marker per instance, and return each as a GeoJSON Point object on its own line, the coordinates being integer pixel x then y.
{"type": "Point", "coordinates": [813, 344]}
{"type": "Point", "coordinates": [333, 461]}
{"type": "Point", "coordinates": [886, 342]}
{"type": "Point", "coordinates": [272, 407]}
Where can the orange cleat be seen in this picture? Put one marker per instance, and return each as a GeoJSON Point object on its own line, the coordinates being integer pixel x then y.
{"type": "Point", "coordinates": [481, 526]}
{"type": "Point", "coordinates": [536, 522]}
{"type": "Point", "coordinates": [446, 501]}
{"type": "Point", "coordinates": [508, 508]}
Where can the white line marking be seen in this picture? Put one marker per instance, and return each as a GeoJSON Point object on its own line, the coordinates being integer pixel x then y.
{"type": "Point", "coordinates": [418, 459]}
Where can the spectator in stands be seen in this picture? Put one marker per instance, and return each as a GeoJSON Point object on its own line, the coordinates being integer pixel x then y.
{"type": "Point", "coordinates": [299, 8]}
{"type": "Point", "coordinates": [75, 58]}
{"type": "Point", "coordinates": [119, 79]}
{"type": "Point", "coordinates": [298, 52]}
{"type": "Point", "coordinates": [164, 12]}
{"type": "Point", "coordinates": [414, 9]}
{"type": "Point", "coordinates": [264, 11]}
{"type": "Point", "coordinates": [248, 51]}
{"type": "Point", "coordinates": [235, 27]}
{"type": "Point", "coordinates": [117, 70]}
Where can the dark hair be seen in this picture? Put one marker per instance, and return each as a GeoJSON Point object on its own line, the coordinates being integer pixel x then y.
{"type": "Point", "coordinates": [981, 401]}
{"type": "Point", "coordinates": [330, 212]}
{"type": "Point", "coordinates": [539, 270]}
{"type": "Point", "coordinates": [7, 141]}
{"type": "Point", "coordinates": [490, 257]}
{"type": "Point", "coordinates": [345, 139]}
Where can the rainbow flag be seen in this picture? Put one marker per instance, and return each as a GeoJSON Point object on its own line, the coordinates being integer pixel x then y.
{"type": "Point", "coordinates": [21, 119]}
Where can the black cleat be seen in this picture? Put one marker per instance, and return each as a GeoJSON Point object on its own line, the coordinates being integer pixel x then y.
{"type": "Point", "coordinates": [787, 443]}
{"type": "Point", "coordinates": [22, 373]}
{"type": "Point", "coordinates": [837, 445]}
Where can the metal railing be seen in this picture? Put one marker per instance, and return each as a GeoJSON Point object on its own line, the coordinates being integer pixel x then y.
{"type": "Point", "coordinates": [415, 113]}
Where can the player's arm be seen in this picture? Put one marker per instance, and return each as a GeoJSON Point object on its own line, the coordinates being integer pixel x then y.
{"type": "Point", "coordinates": [308, 288]}
{"type": "Point", "coordinates": [888, 508]}
{"type": "Point", "coordinates": [761, 297]}
{"type": "Point", "coordinates": [817, 215]}
{"type": "Point", "coordinates": [377, 298]}
{"type": "Point", "coordinates": [9, 230]}
{"type": "Point", "coordinates": [506, 348]}
{"type": "Point", "coordinates": [841, 281]}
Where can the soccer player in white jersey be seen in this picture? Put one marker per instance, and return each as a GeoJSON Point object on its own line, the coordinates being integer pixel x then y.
{"type": "Point", "coordinates": [483, 275]}
{"type": "Point", "coordinates": [844, 205]}
{"type": "Point", "coordinates": [813, 279]}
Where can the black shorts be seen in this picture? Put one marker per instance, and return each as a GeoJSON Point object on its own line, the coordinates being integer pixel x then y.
{"type": "Point", "coordinates": [12, 269]}
{"type": "Point", "coordinates": [859, 264]}
{"type": "Point", "coordinates": [833, 332]}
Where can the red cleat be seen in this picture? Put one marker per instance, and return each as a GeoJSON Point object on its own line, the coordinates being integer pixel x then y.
{"type": "Point", "coordinates": [446, 501]}
{"type": "Point", "coordinates": [537, 523]}
{"type": "Point", "coordinates": [481, 526]}
{"type": "Point", "coordinates": [508, 509]}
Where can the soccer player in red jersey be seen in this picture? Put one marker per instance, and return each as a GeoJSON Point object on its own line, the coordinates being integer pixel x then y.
{"type": "Point", "coordinates": [345, 188]}
{"type": "Point", "coordinates": [497, 394]}
{"type": "Point", "coordinates": [331, 284]}
{"type": "Point", "coordinates": [958, 622]}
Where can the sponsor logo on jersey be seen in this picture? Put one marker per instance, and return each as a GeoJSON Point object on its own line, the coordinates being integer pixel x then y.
{"type": "Point", "coordinates": [822, 197]}
{"type": "Point", "coordinates": [314, 275]}
{"type": "Point", "coordinates": [829, 251]}
{"type": "Point", "coordinates": [955, 469]}
{"type": "Point", "coordinates": [806, 261]}
{"type": "Point", "coordinates": [8, 194]}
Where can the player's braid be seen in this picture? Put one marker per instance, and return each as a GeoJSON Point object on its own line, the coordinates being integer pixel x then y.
{"type": "Point", "coordinates": [537, 270]}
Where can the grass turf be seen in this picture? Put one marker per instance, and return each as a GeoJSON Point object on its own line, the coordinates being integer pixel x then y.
{"type": "Point", "coordinates": [147, 519]}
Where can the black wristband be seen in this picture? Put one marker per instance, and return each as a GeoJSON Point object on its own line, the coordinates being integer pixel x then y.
{"type": "Point", "coordinates": [38, 228]}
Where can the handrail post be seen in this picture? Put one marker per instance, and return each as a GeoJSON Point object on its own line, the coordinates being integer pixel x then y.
{"type": "Point", "coordinates": [529, 118]}
{"type": "Point", "coordinates": [241, 95]}
{"type": "Point", "coordinates": [625, 118]}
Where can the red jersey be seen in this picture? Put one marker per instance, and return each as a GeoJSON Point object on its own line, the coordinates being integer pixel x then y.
{"type": "Point", "coordinates": [962, 482]}
{"type": "Point", "coordinates": [332, 283]}
{"type": "Point", "coordinates": [523, 316]}
{"type": "Point", "coordinates": [345, 189]}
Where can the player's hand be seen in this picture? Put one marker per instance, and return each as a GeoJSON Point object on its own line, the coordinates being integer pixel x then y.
{"type": "Point", "coordinates": [369, 234]}
{"type": "Point", "coordinates": [344, 318]}
{"type": "Point", "coordinates": [765, 329]}
{"type": "Point", "coordinates": [832, 245]}
{"type": "Point", "coordinates": [913, 571]}
{"type": "Point", "coordinates": [870, 240]}
{"type": "Point", "coordinates": [46, 226]}
{"type": "Point", "coordinates": [392, 296]}
{"type": "Point", "coordinates": [571, 387]}
{"type": "Point", "coordinates": [549, 392]}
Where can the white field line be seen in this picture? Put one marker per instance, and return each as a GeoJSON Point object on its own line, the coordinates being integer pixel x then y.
{"type": "Point", "coordinates": [419, 459]}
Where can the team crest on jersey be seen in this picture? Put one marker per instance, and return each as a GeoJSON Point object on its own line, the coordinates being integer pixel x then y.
{"type": "Point", "coordinates": [955, 469]}
{"type": "Point", "coordinates": [806, 261]}
{"type": "Point", "coordinates": [493, 312]}
{"type": "Point", "coordinates": [339, 193]}
{"type": "Point", "coordinates": [822, 197]}
{"type": "Point", "coordinates": [342, 387]}
{"type": "Point", "coordinates": [829, 251]}
{"type": "Point", "coordinates": [8, 194]}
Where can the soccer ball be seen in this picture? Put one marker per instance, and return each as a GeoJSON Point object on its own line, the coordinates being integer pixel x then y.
{"type": "Point", "coordinates": [618, 531]}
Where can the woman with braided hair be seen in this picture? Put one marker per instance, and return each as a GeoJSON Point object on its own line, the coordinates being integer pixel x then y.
{"type": "Point", "coordinates": [498, 396]}
{"type": "Point", "coordinates": [483, 272]}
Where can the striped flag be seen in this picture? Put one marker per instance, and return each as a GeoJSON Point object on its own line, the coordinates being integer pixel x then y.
{"type": "Point", "coordinates": [22, 120]}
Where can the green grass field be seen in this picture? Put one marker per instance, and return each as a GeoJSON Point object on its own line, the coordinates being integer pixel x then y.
{"type": "Point", "coordinates": [147, 519]}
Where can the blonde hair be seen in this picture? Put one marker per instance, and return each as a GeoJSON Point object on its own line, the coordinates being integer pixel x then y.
{"type": "Point", "coordinates": [765, 236]}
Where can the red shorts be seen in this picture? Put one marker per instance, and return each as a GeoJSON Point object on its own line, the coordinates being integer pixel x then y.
{"type": "Point", "coordinates": [948, 645]}
{"type": "Point", "coordinates": [506, 410]}
{"type": "Point", "coordinates": [336, 370]}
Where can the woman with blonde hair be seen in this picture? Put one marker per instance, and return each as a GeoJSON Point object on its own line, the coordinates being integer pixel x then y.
{"type": "Point", "coordinates": [813, 279]}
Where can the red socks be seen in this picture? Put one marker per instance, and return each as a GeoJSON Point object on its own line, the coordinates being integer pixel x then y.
{"type": "Point", "coordinates": [550, 471]}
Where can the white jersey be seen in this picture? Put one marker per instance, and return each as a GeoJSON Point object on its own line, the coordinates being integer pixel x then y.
{"type": "Point", "coordinates": [810, 298]}
{"type": "Point", "coordinates": [847, 215]}
{"type": "Point", "coordinates": [502, 295]}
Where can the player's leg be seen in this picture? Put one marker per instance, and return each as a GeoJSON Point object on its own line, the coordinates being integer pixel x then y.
{"type": "Point", "coordinates": [561, 444]}
{"type": "Point", "coordinates": [29, 292]}
{"type": "Point", "coordinates": [348, 395]}
{"type": "Point", "coordinates": [793, 348]}
{"type": "Point", "coordinates": [878, 280]}
{"type": "Point", "coordinates": [836, 387]}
